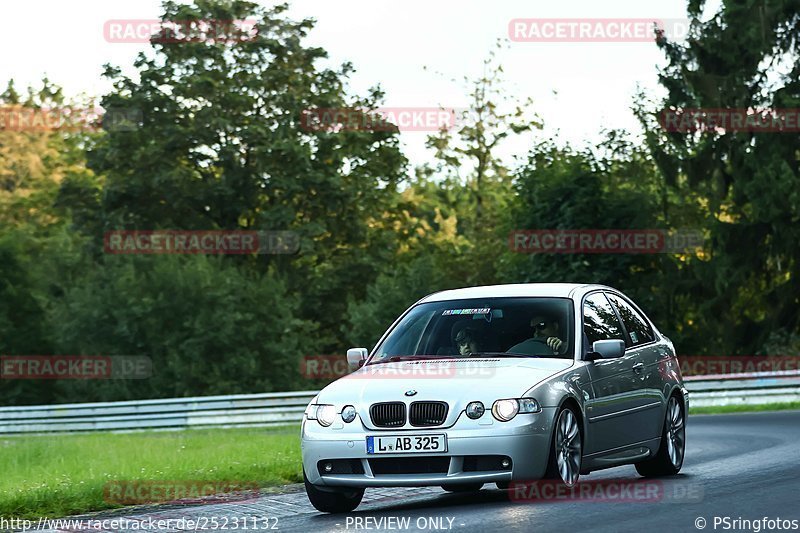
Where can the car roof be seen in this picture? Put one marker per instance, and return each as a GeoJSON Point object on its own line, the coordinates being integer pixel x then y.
{"type": "Point", "coordinates": [546, 290]}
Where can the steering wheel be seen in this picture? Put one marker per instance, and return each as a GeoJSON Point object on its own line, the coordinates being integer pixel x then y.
{"type": "Point", "coordinates": [550, 350]}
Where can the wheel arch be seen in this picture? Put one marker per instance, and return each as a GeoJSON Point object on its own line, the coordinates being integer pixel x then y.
{"type": "Point", "coordinates": [572, 401]}
{"type": "Point", "coordinates": [682, 394]}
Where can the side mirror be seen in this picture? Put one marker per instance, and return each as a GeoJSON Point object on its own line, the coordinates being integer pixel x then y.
{"type": "Point", "coordinates": [608, 349]}
{"type": "Point", "coordinates": [356, 358]}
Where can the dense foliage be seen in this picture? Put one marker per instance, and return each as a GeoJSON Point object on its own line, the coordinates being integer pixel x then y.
{"type": "Point", "coordinates": [219, 144]}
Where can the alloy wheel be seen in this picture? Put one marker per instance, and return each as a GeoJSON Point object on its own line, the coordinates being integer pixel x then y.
{"type": "Point", "coordinates": [568, 447]}
{"type": "Point", "coordinates": [676, 432]}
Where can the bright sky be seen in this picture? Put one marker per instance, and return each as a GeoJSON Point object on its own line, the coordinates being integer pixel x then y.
{"type": "Point", "coordinates": [578, 88]}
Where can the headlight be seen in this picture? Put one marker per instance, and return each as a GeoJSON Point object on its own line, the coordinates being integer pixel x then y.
{"type": "Point", "coordinates": [505, 410]}
{"type": "Point", "coordinates": [348, 413]}
{"type": "Point", "coordinates": [475, 410]}
{"type": "Point", "coordinates": [326, 415]}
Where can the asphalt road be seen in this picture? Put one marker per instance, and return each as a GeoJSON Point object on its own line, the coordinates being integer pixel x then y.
{"type": "Point", "coordinates": [740, 466]}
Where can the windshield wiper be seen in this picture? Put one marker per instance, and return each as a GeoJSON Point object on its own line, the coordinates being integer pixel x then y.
{"type": "Point", "coordinates": [502, 354]}
{"type": "Point", "coordinates": [398, 358]}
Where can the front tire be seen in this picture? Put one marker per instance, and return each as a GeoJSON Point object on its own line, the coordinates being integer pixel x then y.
{"type": "Point", "coordinates": [669, 458]}
{"type": "Point", "coordinates": [341, 501]}
{"type": "Point", "coordinates": [564, 464]}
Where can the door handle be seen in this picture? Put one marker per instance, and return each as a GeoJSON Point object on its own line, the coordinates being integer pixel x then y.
{"type": "Point", "coordinates": [638, 367]}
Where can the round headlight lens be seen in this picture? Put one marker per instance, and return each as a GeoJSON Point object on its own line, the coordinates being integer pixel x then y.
{"type": "Point", "coordinates": [475, 410]}
{"type": "Point", "coordinates": [348, 413]}
{"type": "Point", "coordinates": [505, 410]}
{"type": "Point", "coordinates": [326, 414]}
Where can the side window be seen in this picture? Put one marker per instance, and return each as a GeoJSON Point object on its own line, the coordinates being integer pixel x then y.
{"type": "Point", "coordinates": [638, 328]}
{"type": "Point", "coordinates": [600, 322]}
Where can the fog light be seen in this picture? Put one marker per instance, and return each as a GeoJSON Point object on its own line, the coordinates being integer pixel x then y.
{"type": "Point", "coordinates": [505, 463]}
{"type": "Point", "coordinates": [349, 413]}
{"type": "Point", "coordinates": [475, 410]}
{"type": "Point", "coordinates": [328, 467]}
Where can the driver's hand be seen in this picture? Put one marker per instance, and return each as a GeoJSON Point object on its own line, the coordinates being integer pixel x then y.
{"type": "Point", "coordinates": [555, 344]}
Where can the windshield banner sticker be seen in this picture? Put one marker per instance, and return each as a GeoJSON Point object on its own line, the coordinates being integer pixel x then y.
{"type": "Point", "coordinates": [479, 311]}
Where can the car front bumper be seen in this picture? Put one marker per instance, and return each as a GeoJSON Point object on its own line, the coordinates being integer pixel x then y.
{"type": "Point", "coordinates": [524, 441]}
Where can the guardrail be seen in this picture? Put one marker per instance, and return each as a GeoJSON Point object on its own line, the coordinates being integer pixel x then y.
{"type": "Point", "coordinates": [258, 410]}
{"type": "Point", "coordinates": [168, 414]}
{"type": "Point", "coordinates": [743, 389]}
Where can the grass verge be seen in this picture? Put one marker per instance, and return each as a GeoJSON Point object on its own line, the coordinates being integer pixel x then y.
{"type": "Point", "coordinates": [61, 475]}
{"type": "Point", "coordinates": [720, 409]}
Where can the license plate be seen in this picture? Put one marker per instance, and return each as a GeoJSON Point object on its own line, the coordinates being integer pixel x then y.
{"type": "Point", "coordinates": [407, 444]}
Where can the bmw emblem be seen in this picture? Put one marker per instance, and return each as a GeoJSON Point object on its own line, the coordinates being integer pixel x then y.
{"type": "Point", "coordinates": [411, 392]}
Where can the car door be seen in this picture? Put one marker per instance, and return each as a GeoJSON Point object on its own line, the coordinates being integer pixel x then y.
{"type": "Point", "coordinates": [615, 396]}
{"type": "Point", "coordinates": [647, 381]}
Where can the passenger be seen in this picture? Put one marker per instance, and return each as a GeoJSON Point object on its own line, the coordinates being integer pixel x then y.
{"type": "Point", "coordinates": [467, 341]}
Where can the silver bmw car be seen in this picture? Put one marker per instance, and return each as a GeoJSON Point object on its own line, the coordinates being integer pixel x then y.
{"type": "Point", "coordinates": [498, 384]}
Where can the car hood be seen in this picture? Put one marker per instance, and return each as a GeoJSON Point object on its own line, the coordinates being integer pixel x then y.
{"type": "Point", "coordinates": [451, 380]}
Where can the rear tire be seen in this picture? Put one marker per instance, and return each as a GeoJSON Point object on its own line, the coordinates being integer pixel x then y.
{"type": "Point", "coordinates": [341, 501]}
{"type": "Point", "coordinates": [566, 451]}
{"type": "Point", "coordinates": [669, 458]}
{"type": "Point", "coordinates": [463, 487]}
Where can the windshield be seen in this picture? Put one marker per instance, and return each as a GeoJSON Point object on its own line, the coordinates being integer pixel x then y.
{"type": "Point", "coordinates": [511, 327]}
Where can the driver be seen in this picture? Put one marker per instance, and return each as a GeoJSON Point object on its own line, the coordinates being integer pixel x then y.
{"type": "Point", "coordinates": [546, 329]}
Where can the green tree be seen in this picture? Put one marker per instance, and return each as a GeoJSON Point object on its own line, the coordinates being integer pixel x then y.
{"type": "Point", "coordinates": [207, 327]}
{"type": "Point", "coordinates": [36, 158]}
{"type": "Point", "coordinates": [222, 145]}
{"type": "Point", "coordinates": [615, 187]}
{"type": "Point", "coordinates": [470, 167]}
{"type": "Point", "coordinates": [743, 57]}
